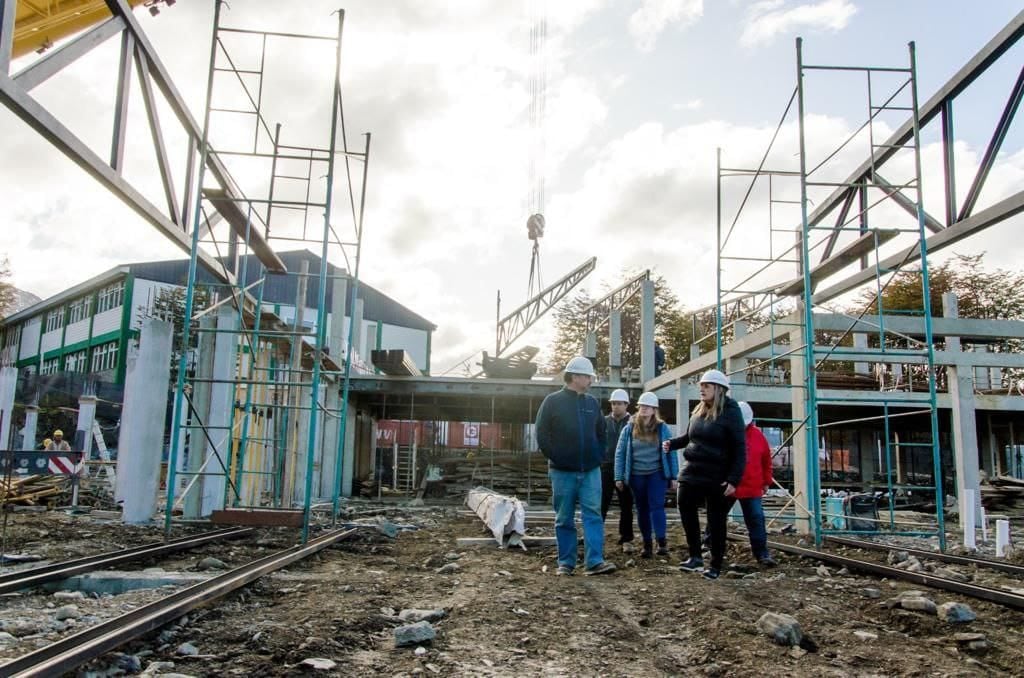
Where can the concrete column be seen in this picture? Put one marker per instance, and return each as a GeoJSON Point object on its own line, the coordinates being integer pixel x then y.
{"type": "Point", "coordinates": [222, 399]}
{"type": "Point", "coordinates": [86, 417]}
{"type": "Point", "coordinates": [736, 367]}
{"type": "Point", "coordinates": [8, 385]}
{"type": "Point", "coordinates": [28, 439]}
{"type": "Point", "coordinates": [336, 338]}
{"type": "Point", "coordinates": [694, 351]}
{"type": "Point", "coordinates": [615, 346]}
{"type": "Point", "coordinates": [191, 451]}
{"type": "Point", "coordinates": [590, 346]}
{"type": "Point", "coordinates": [682, 413]}
{"type": "Point", "coordinates": [348, 460]}
{"type": "Point", "coordinates": [860, 340]}
{"type": "Point", "coordinates": [868, 458]}
{"type": "Point", "coordinates": [358, 335]}
{"type": "Point", "coordinates": [140, 444]}
{"type": "Point", "coordinates": [965, 422]}
{"type": "Point", "coordinates": [801, 470]}
{"type": "Point", "coordinates": [647, 331]}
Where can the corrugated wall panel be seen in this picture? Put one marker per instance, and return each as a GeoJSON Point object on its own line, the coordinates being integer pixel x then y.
{"type": "Point", "coordinates": [77, 332]}
{"type": "Point", "coordinates": [108, 321]}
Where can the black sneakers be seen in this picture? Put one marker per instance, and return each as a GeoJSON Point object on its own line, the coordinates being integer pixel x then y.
{"type": "Point", "coordinates": [711, 573]}
{"type": "Point", "coordinates": [692, 565]}
{"type": "Point", "coordinates": [601, 568]}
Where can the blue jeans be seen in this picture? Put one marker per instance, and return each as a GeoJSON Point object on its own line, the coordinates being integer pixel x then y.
{"type": "Point", "coordinates": [753, 516]}
{"type": "Point", "coordinates": [568, 488]}
{"type": "Point", "coordinates": [649, 494]}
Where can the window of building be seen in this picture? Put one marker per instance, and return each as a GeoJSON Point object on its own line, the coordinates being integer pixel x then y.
{"type": "Point", "coordinates": [55, 319]}
{"type": "Point", "coordinates": [51, 366]}
{"type": "Point", "coordinates": [110, 297]}
{"type": "Point", "coordinates": [79, 310]}
{"type": "Point", "coordinates": [104, 357]}
{"type": "Point", "coordinates": [75, 362]}
{"type": "Point", "coordinates": [11, 336]}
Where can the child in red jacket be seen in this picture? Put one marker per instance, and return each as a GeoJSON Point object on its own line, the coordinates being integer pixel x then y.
{"type": "Point", "coordinates": [757, 477]}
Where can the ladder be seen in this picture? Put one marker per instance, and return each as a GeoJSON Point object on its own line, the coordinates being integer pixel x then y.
{"type": "Point", "coordinates": [106, 466]}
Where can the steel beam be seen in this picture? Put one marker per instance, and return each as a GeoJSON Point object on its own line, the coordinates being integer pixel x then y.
{"type": "Point", "coordinates": [124, 82]}
{"type": "Point", "coordinates": [597, 312]}
{"type": "Point", "coordinates": [7, 14]}
{"type": "Point", "coordinates": [158, 138]}
{"type": "Point", "coordinates": [56, 60]}
{"type": "Point", "coordinates": [51, 129]}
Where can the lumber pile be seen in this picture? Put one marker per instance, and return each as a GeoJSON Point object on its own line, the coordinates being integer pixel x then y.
{"type": "Point", "coordinates": [516, 366]}
{"type": "Point", "coordinates": [33, 490]}
{"type": "Point", "coordinates": [395, 362]}
{"type": "Point", "coordinates": [1002, 492]}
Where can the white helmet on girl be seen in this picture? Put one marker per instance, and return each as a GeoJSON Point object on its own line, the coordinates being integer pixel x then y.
{"type": "Point", "coordinates": [648, 399]}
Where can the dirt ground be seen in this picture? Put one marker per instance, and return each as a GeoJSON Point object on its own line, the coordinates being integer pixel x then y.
{"type": "Point", "coordinates": [508, 614]}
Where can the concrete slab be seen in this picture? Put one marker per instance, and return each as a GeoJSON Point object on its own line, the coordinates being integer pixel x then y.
{"type": "Point", "coordinates": [114, 582]}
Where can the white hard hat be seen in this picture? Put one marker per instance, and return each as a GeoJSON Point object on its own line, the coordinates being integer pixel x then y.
{"type": "Point", "coordinates": [714, 377]}
{"type": "Point", "coordinates": [748, 413]}
{"type": "Point", "coordinates": [648, 399]}
{"type": "Point", "coordinates": [580, 365]}
{"type": "Point", "coordinates": [619, 395]}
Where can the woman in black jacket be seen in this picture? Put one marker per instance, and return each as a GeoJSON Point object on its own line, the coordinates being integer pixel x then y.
{"type": "Point", "coordinates": [715, 454]}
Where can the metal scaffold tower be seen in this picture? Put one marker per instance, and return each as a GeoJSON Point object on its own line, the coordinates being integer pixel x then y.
{"type": "Point", "coordinates": [768, 280]}
{"type": "Point", "coordinates": [261, 398]}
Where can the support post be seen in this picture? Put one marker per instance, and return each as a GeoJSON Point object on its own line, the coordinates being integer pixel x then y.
{"type": "Point", "coordinates": [860, 340]}
{"type": "Point", "coordinates": [28, 440]}
{"type": "Point", "coordinates": [83, 432]}
{"type": "Point", "coordinates": [7, 15]}
{"type": "Point", "coordinates": [736, 367]}
{"type": "Point", "coordinates": [332, 421]}
{"type": "Point", "coordinates": [615, 346]}
{"type": "Point", "coordinates": [222, 398]}
{"type": "Point", "coordinates": [359, 335]}
{"type": "Point", "coordinates": [8, 385]}
{"type": "Point", "coordinates": [590, 346]}
{"type": "Point", "coordinates": [965, 428]}
{"type": "Point", "coordinates": [801, 468]}
{"type": "Point", "coordinates": [647, 331]}
{"type": "Point", "coordinates": [140, 444]}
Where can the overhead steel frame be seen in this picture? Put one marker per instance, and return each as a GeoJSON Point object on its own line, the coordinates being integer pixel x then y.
{"type": "Point", "coordinates": [281, 384]}
{"type": "Point", "coordinates": [172, 220]}
{"type": "Point", "coordinates": [929, 234]}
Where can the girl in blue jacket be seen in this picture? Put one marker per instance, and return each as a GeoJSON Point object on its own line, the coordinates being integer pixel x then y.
{"type": "Point", "coordinates": [640, 463]}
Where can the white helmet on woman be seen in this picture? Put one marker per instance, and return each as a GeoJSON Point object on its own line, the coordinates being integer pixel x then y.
{"type": "Point", "coordinates": [748, 413]}
{"type": "Point", "coordinates": [715, 377]}
{"type": "Point", "coordinates": [648, 399]}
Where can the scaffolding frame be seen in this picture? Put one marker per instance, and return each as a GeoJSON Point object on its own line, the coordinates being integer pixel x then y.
{"type": "Point", "coordinates": [854, 240]}
{"type": "Point", "coordinates": [280, 375]}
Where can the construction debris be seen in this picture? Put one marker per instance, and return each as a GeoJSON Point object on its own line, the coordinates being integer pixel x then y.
{"type": "Point", "coordinates": [504, 516]}
{"type": "Point", "coordinates": [33, 490]}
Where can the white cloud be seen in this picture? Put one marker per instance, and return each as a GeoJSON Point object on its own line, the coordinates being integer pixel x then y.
{"type": "Point", "coordinates": [654, 16]}
{"type": "Point", "coordinates": [691, 105]}
{"type": "Point", "coordinates": [768, 19]}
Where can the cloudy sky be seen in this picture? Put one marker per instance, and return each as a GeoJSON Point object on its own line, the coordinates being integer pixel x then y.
{"type": "Point", "coordinates": [639, 95]}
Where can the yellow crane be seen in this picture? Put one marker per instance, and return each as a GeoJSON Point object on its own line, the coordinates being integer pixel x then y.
{"type": "Point", "coordinates": [38, 24]}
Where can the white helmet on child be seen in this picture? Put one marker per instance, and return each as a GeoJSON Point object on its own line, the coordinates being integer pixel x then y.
{"type": "Point", "coordinates": [748, 413]}
{"type": "Point", "coordinates": [648, 399]}
{"type": "Point", "coordinates": [715, 377]}
{"type": "Point", "coordinates": [619, 395]}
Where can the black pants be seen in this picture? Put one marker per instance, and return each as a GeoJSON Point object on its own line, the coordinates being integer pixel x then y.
{"type": "Point", "coordinates": [690, 499]}
{"type": "Point", "coordinates": [608, 489]}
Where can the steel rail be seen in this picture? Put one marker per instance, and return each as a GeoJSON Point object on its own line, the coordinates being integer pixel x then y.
{"type": "Point", "coordinates": [73, 651]}
{"type": "Point", "coordinates": [942, 557]}
{"type": "Point", "coordinates": [972, 590]}
{"type": "Point", "coordinates": [64, 569]}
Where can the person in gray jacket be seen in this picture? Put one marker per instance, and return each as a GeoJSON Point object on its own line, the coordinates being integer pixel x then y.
{"type": "Point", "coordinates": [641, 465]}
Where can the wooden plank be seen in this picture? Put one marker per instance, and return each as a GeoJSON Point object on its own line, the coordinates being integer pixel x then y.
{"type": "Point", "coordinates": [491, 541]}
{"type": "Point", "coordinates": [248, 232]}
{"type": "Point", "coordinates": [264, 517]}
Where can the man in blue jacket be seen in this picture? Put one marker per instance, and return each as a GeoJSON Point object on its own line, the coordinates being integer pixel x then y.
{"type": "Point", "coordinates": [571, 434]}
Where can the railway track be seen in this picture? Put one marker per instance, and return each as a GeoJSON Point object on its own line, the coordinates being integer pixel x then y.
{"type": "Point", "coordinates": [38, 575]}
{"type": "Point", "coordinates": [984, 563]}
{"type": "Point", "coordinates": [73, 651]}
{"type": "Point", "coordinates": [992, 595]}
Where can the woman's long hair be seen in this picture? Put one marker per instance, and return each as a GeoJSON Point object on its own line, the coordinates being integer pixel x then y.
{"type": "Point", "coordinates": [714, 410]}
{"type": "Point", "coordinates": [649, 432]}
